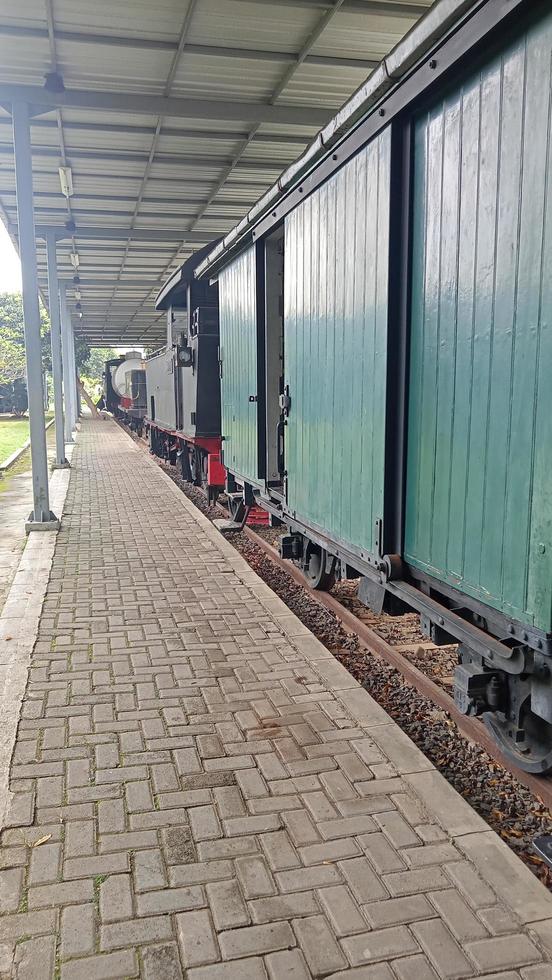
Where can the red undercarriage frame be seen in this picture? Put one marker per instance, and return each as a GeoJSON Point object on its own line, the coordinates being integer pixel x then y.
{"type": "Point", "coordinates": [209, 447]}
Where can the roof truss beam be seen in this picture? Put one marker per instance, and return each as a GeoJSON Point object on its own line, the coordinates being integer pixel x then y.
{"type": "Point", "coordinates": [122, 234]}
{"type": "Point", "coordinates": [172, 132]}
{"type": "Point", "coordinates": [161, 105]}
{"type": "Point", "coordinates": [204, 50]}
{"type": "Point", "coordinates": [167, 160]}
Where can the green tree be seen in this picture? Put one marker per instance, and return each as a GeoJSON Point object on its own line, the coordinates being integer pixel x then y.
{"type": "Point", "coordinates": [94, 365]}
{"type": "Point", "coordinates": [12, 339]}
{"type": "Point", "coordinates": [92, 369]}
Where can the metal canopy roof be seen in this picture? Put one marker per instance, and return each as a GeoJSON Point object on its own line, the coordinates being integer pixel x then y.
{"type": "Point", "coordinates": [174, 117]}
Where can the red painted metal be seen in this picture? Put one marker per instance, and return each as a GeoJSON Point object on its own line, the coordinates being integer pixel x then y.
{"type": "Point", "coordinates": [216, 472]}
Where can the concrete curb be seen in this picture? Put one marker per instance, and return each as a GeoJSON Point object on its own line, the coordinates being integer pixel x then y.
{"type": "Point", "coordinates": [9, 462]}
{"type": "Point", "coordinates": [19, 622]}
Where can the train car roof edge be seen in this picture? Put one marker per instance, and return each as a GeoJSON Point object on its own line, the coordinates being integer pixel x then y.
{"type": "Point", "coordinates": [430, 29]}
{"type": "Point", "coordinates": [174, 289]}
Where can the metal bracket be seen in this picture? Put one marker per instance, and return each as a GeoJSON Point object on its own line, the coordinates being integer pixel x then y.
{"type": "Point", "coordinates": [50, 523]}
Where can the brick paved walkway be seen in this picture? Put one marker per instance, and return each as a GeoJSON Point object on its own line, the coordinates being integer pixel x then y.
{"type": "Point", "coordinates": [201, 791]}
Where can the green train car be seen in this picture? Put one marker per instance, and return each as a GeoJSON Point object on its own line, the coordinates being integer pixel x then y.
{"type": "Point", "coordinates": [386, 352]}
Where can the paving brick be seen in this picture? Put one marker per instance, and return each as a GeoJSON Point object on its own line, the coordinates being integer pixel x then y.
{"type": "Point", "coordinates": [283, 907]}
{"type": "Point", "coordinates": [149, 870]}
{"type": "Point", "coordinates": [35, 958]}
{"type": "Point", "coordinates": [255, 940]}
{"type": "Point", "coordinates": [380, 944]}
{"type": "Point", "coordinates": [418, 968]}
{"type": "Point", "coordinates": [161, 962]}
{"type": "Point", "coordinates": [132, 841]}
{"type": "Point", "coordinates": [362, 880]}
{"type": "Point", "coordinates": [289, 964]}
{"type": "Point", "coordinates": [115, 898]}
{"type": "Point", "coordinates": [248, 969]}
{"type": "Point", "coordinates": [396, 911]}
{"type": "Point", "coordinates": [279, 851]}
{"type": "Point", "coordinates": [227, 905]}
{"type": "Point", "coordinates": [229, 802]}
{"type": "Point", "coordinates": [80, 838]}
{"type": "Point", "coordinates": [198, 944]}
{"type": "Point", "coordinates": [346, 827]}
{"type": "Point", "coordinates": [503, 951]}
{"type": "Point", "coordinates": [102, 864]}
{"type": "Point", "coordinates": [341, 909]}
{"type": "Point", "coordinates": [497, 920]}
{"type": "Point", "coordinates": [132, 932]}
{"type": "Point", "coordinates": [45, 863]}
{"type": "Point", "coordinates": [442, 950]}
{"type": "Point", "coordinates": [204, 823]}
{"type": "Point", "coordinates": [476, 891]}
{"type": "Point", "coordinates": [379, 971]}
{"type": "Point", "coordinates": [11, 885]}
{"type": "Point", "coordinates": [318, 945]}
{"type": "Point", "coordinates": [169, 900]}
{"type": "Point", "coordinates": [395, 827]}
{"type": "Point", "coordinates": [420, 857]}
{"type": "Point", "coordinates": [77, 930]}
{"type": "Point", "coordinates": [320, 806]}
{"type": "Point", "coordinates": [13, 927]}
{"type": "Point", "coordinates": [457, 915]}
{"type": "Point", "coordinates": [300, 828]}
{"type": "Point", "coordinates": [200, 872]}
{"type": "Point", "coordinates": [252, 825]}
{"type": "Point", "coordinates": [178, 846]}
{"type": "Point", "coordinates": [254, 876]}
{"type": "Point", "coordinates": [62, 893]}
{"type": "Point", "coordinates": [410, 882]}
{"type": "Point", "coordinates": [138, 796]}
{"type": "Point", "coordinates": [110, 966]}
{"type": "Point", "coordinates": [306, 878]}
{"type": "Point", "coordinates": [335, 850]}
{"type": "Point", "coordinates": [209, 850]}
{"type": "Point", "coordinates": [381, 854]}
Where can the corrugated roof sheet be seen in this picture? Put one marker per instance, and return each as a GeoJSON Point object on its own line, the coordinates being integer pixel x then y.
{"type": "Point", "coordinates": [205, 172]}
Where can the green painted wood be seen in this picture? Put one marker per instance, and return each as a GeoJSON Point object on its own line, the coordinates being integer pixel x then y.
{"type": "Point", "coordinates": [238, 352]}
{"type": "Point", "coordinates": [479, 461]}
{"type": "Point", "coordinates": [335, 344]}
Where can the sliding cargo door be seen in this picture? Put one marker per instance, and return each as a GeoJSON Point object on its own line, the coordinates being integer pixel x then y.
{"type": "Point", "coordinates": [238, 356]}
{"type": "Point", "coordinates": [479, 481]}
{"type": "Point", "coordinates": [335, 349]}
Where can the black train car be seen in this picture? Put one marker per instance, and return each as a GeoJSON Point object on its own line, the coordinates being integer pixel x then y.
{"type": "Point", "coordinates": [182, 380]}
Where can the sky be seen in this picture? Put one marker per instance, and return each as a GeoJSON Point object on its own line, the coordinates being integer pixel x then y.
{"type": "Point", "coordinates": [10, 269]}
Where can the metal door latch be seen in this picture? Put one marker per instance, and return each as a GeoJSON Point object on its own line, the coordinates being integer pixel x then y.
{"type": "Point", "coordinates": [252, 398]}
{"type": "Point", "coordinates": [285, 401]}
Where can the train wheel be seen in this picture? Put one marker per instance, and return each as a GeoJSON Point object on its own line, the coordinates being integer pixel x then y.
{"type": "Point", "coordinates": [315, 569]}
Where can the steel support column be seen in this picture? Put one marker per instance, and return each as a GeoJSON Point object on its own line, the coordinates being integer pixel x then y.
{"type": "Point", "coordinates": [55, 338]}
{"type": "Point", "coordinates": [76, 392]}
{"type": "Point", "coordinates": [41, 517]}
{"type": "Point", "coordinates": [70, 412]}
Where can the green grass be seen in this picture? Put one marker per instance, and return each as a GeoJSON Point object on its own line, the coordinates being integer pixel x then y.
{"type": "Point", "coordinates": [13, 433]}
